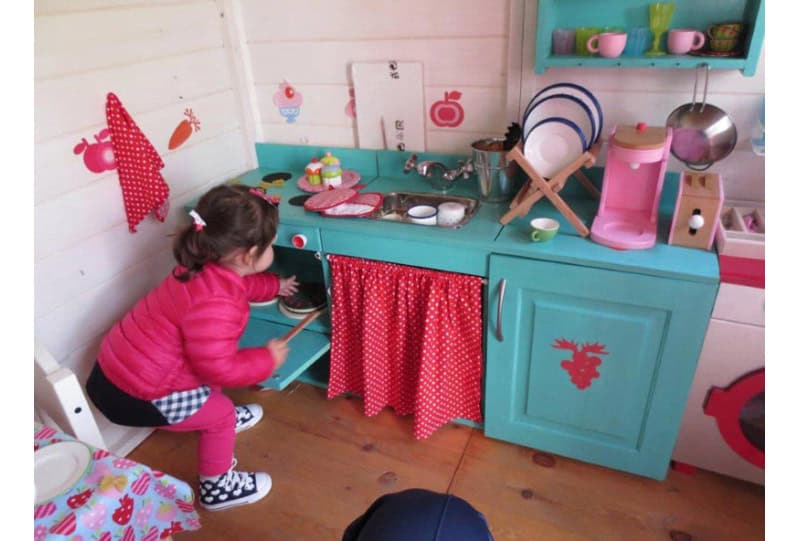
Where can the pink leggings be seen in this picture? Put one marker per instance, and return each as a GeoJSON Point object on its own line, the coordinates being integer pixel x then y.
{"type": "Point", "coordinates": [215, 422]}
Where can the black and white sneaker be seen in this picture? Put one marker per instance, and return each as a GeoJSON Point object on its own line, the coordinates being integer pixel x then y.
{"type": "Point", "coordinates": [233, 488]}
{"type": "Point", "coordinates": [248, 416]}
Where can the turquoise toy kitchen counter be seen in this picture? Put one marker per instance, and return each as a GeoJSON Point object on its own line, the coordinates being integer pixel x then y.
{"type": "Point", "coordinates": [589, 351]}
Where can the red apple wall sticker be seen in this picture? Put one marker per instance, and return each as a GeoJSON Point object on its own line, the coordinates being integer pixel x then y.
{"type": "Point", "coordinates": [350, 108]}
{"type": "Point", "coordinates": [184, 130]}
{"type": "Point", "coordinates": [97, 156]}
{"type": "Point", "coordinates": [448, 113]}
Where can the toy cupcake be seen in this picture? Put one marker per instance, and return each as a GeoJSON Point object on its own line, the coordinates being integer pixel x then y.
{"type": "Point", "coordinates": [313, 170]}
{"type": "Point", "coordinates": [331, 171]}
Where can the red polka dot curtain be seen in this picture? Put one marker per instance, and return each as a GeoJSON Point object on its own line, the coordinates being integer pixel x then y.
{"type": "Point", "coordinates": [407, 338]}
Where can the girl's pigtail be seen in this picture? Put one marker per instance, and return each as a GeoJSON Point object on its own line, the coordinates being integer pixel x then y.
{"type": "Point", "coordinates": [190, 252]}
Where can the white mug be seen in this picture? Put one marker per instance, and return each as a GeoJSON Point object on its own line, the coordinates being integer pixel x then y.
{"type": "Point", "coordinates": [422, 214]}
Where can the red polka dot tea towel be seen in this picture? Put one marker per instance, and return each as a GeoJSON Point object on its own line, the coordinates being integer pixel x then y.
{"type": "Point", "coordinates": [407, 338]}
{"type": "Point", "coordinates": [138, 164]}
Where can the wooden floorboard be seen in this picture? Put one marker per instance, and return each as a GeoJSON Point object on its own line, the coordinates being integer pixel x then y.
{"type": "Point", "coordinates": [329, 462]}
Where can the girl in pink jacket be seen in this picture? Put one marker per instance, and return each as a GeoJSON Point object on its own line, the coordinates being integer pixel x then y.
{"type": "Point", "coordinates": [165, 362]}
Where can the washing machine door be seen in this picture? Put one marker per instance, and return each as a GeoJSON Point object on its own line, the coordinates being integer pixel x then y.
{"type": "Point", "coordinates": [739, 412]}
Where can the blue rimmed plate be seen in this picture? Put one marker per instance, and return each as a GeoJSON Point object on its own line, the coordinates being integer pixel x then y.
{"type": "Point", "coordinates": [561, 106]}
{"type": "Point", "coordinates": [577, 91]}
{"type": "Point", "coordinates": [553, 144]}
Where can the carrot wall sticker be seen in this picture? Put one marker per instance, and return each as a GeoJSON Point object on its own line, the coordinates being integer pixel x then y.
{"type": "Point", "coordinates": [582, 368]}
{"type": "Point", "coordinates": [184, 129]}
{"type": "Point", "coordinates": [97, 156]}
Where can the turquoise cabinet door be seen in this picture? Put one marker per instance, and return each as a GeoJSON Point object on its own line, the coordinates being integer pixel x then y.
{"type": "Point", "coordinates": [593, 364]}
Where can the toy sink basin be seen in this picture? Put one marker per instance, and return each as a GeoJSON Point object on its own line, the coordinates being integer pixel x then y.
{"type": "Point", "coordinates": [396, 204]}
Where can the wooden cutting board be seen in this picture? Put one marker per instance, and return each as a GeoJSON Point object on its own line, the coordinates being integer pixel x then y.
{"type": "Point", "coordinates": [390, 105]}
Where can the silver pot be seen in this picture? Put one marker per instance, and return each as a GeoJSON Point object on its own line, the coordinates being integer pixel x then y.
{"type": "Point", "coordinates": [498, 179]}
{"type": "Point", "coordinates": [701, 133]}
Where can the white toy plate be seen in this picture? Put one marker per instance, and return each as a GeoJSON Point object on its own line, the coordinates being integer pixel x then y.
{"type": "Point", "coordinates": [561, 106]}
{"type": "Point", "coordinates": [265, 303]}
{"type": "Point", "coordinates": [57, 467]}
{"type": "Point", "coordinates": [552, 145]}
{"type": "Point", "coordinates": [577, 91]}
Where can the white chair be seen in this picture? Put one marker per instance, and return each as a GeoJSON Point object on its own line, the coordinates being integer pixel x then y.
{"type": "Point", "coordinates": [59, 399]}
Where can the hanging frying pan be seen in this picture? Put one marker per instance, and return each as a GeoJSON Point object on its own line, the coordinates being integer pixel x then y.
{"type": "Point", "coordinates": [701, 133]}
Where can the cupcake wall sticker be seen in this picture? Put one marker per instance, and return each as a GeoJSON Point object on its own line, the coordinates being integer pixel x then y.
{"type": "Point", "coordinates": [288, 101]}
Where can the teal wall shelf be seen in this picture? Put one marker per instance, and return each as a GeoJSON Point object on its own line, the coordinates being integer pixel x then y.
{"type": "Point", "coordinates": [627, 14]}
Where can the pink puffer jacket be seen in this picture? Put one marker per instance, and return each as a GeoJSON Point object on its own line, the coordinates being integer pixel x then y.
{"type": "Point", "coordinates": [185, 334]}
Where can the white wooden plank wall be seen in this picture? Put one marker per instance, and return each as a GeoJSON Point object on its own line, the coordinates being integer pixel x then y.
{"type": "Point", "coordinates": [462, 45]}
{"type": "Point", "coordinates": [628, 96]}
{"type": "Point", "coordinates": [159, 57]}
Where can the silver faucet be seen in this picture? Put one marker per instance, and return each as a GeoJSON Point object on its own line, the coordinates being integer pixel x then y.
{"type": "Point", "coordinates": [425, 168]}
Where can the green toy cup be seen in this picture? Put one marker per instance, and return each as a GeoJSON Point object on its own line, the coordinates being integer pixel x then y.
{"type": "Point", "coordinates": [543, 229]}
{"type": "Point", "coordinates": [582, 35]}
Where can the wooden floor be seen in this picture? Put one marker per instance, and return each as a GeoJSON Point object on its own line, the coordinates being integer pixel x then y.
{"type": "Point", "coordinates": [328, 462]}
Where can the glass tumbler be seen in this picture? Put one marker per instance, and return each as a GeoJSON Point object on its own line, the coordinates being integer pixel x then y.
{"type": "Point", "coordinates": [563, 41]}
{"type": "Point", "coordinates": [638, 38]}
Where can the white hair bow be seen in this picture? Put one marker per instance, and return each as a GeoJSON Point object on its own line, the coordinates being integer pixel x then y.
{"type": "Point", "coordinates": [199, 223]}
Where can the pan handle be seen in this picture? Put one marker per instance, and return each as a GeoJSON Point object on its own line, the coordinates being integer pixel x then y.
{"type": "Point", "coordinates": [705, 86]}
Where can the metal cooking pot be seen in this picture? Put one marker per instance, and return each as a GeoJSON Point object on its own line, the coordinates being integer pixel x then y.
{"type": "Point", "coordinates": [498, 178]}
{"type": "Point", "coordinates": [701, 133]}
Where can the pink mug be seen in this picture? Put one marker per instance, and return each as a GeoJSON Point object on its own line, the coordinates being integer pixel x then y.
{"type": "Point", "coordinates": [608, 44]}
{"type": "Point", "coordinates": [683, 40]}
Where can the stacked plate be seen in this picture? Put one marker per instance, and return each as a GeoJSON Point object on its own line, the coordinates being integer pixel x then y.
{"type": "Point", "coordinates": [310, 297]}
{"type": "Point", "coordinates": [561, 122]}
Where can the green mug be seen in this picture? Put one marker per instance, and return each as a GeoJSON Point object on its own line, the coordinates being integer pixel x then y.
{"type": "Point", "coordinates": [543, 229]}
{"type": "Point", "coordinates": [582, 35]}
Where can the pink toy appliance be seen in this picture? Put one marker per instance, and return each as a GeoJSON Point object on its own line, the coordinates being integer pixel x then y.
{"type": "Point", "coordinates": [627, 218]}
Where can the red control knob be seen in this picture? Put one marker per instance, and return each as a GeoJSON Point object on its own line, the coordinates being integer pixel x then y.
{"type": "Point", "coordinates": [299, 241]}
{"type": "Point", "coordinates": [641, 126]}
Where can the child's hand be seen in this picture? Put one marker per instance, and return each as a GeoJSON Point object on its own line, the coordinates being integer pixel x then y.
{"type": "Point", "coordinates": [279, 351]}
{"type": "Point", "coordinates": [288, 286]}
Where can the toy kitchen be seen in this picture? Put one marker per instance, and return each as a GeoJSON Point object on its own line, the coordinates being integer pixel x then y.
{"type": "Point", "coordinates": [581, 310]}
{"type": "Point", "coordinates": [579, 285]}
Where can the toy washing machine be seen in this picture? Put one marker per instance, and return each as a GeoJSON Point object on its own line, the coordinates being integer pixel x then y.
{"type": "Point", "coordinates": [723, 425]}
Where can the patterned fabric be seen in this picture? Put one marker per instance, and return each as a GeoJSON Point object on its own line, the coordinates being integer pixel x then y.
{"type": "Point", "coordinates": [247, 416]}
{"type": "Point", "coordinates": [115, 498]}
{"type": "Point", "coordinates": [233, 488]}
{"type": "Point", "coordinates": [138, 164]}
{"type": "Point", "coordinates": [177, 406]}
{"type": "Point", "coordinates": [407, 338]}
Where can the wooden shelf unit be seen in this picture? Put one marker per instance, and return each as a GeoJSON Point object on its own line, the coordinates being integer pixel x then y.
{"type": "Point", "coordinates": [698, 14]}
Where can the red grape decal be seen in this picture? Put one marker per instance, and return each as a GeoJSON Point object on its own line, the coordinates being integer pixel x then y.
{"type": "Point", "coordinates": [98, 156]}
{"type": "Point", "coordinates": [582, 368]}
{"type": "Point", "coordinates": [448, 113]}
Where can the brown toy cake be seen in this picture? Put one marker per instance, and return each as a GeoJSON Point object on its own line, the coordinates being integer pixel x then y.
{"type": "Point", "coordinates": [308, 298]}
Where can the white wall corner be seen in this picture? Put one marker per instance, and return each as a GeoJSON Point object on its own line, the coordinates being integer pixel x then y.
{"type": "Point", "coordinates": [235, 42]}
{"type": "Point", "coordinates": [514, 59]}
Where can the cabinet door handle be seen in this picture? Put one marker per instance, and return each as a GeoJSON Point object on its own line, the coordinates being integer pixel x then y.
{"type": "Point", "coordinates": [500, 310]}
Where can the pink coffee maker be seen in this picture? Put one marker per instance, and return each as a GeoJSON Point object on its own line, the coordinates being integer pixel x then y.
{"type": "Point", "coordinates": [627, 218]}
